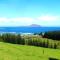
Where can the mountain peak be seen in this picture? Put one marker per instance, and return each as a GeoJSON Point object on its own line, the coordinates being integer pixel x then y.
{"type": "Point", "coordinates": [35, 25]}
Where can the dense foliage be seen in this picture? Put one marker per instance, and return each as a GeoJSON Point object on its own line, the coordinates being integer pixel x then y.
{"type": "Point", "coordinates": [55, 35]}
{"type": "Point", "coordinates": [34, 40]}
{"type": "Point", "coordinates": [12, 38]}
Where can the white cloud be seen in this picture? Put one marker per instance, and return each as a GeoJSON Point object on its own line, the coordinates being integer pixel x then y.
{"type": "Point", "coordinates": [48, 18]}
{"type": "Point", "coordinates": [24, 21]}
{"type": "Point", "coordinates": [15, 21]}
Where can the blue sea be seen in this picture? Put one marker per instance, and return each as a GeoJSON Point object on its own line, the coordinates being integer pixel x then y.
{"type": "Point", "coordinates": [28, 29]}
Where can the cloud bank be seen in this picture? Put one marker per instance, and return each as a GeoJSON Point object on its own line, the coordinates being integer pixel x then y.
{"type": "Point", "coordinates": [25, 21]}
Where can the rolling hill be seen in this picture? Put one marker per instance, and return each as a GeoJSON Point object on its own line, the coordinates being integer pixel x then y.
{"type": "Point", "coordinates": [24, 52]}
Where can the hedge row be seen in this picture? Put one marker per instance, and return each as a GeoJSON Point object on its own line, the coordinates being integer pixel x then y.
{"type": "Point", "coordinates": [29, 40]}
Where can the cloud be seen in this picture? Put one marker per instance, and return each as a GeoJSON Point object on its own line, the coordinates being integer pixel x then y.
{"type": "Point", "coordinates": [48, 18]}
{"type": "Point", "coordinates": [24, 21]}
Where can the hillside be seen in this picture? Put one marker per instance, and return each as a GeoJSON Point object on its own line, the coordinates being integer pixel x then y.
{"type": "Point", "coordinates": [23, 52]}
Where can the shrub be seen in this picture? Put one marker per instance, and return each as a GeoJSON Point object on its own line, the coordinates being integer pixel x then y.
{"type": "Point", "coordinates": [55, 35]}
{"type": "Point", "coordinates": [29, 40]}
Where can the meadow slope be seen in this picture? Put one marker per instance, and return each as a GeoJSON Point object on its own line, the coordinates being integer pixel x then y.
{"type": "Point", "coordinates": [23, 52]}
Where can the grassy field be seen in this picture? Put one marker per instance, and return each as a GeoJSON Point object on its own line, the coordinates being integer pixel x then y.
{"type": "Point", "coordinates": [24, 52]}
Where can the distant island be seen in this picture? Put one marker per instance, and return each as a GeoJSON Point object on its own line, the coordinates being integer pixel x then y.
{"type": "Point", "coordinates": [34, 25]}
{"type": "Point", "coordinates": [31, 25]}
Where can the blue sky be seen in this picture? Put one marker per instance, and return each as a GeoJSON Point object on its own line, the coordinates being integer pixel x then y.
{"type": "Point", "coordinates": [26, 12]}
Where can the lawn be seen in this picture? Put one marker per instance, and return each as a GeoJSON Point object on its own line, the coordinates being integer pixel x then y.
{"type": "Point", "coordinates": [23, 52]}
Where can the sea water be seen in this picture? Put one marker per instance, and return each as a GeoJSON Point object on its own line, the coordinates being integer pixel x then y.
{"type": "Point", "coordinates": [28, 29]}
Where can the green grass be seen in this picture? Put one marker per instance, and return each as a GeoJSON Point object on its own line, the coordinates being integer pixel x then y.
{"type": "Point", "coordinates": [24, 52]}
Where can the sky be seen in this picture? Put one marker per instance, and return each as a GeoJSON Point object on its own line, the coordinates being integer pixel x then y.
{"type": "Point", "coordinates": [27, 12]}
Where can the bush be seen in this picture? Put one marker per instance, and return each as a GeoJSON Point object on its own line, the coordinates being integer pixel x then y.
{"type": "Point", "coordinates": [12, 38]}
{"type": "Point", "coordinates": [29, 40]}
{"type": "Point", "coordinates": [55, 35]}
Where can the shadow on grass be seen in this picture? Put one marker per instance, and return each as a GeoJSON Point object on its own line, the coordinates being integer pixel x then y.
{"type": "Point", "coordinates": [53, 59]}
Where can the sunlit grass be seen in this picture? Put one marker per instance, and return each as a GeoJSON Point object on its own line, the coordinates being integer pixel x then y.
{"type": "Point", "coordinates": [24, 52]}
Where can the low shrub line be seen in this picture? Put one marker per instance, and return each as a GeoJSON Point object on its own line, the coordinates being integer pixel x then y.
{"type": "Point", "coordinates": [26, 40]}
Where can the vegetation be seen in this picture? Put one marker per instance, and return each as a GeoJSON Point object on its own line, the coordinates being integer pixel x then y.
{"type": "Point", "coordinates": [24, 52]}
{"type": "Point", "coordinates": [41, 42]}
{"type": "Point", "coordinates": [55, 35]}
{"type": "Point", "coordinates": [34, 40]}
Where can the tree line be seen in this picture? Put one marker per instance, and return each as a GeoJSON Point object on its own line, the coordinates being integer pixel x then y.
{"type": "Point", "coordinates": [55, 35]}
{"type": "Point", "coordinates": [34, 41]}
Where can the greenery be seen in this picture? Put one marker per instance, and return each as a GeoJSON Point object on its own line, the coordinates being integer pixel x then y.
{"type": "Point", "coordinates": [23, 52]}
{"type": "Point", "coordinates": [34, 40]}
{"type": "Point", "coordinates": [29, 47]}
{"type": "Point", "coordinates": [55, 35]}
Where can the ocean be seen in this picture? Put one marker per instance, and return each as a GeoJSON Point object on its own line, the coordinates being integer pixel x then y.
{"type": "Point", "coordinates": [28, 29]}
